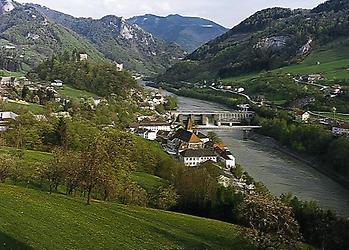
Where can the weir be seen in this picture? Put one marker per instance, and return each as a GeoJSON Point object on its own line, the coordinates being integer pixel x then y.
{"type": "Point", "coordinates": [215, 118]}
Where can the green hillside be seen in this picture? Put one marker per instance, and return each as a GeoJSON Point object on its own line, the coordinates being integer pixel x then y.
{"type": "Point", "coordinates": [271, 39]}
{"type": "Point", "coordinates": [333, 59]}
{"type": "Point", "coordinates": [36, 220]}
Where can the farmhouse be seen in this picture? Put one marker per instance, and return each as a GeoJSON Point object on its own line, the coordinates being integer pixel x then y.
{"type": "Point", "coordinates": [195, 157]}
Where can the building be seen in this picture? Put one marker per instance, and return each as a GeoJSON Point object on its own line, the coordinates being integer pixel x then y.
{"type": "Point", "coordinates": [146, 134]}
{"type": "Point", "coordinates": [225, 156]}
{"type": "Point", "coordinates": [7, 81]}
{"type": "Point", "coordinates": [57, 83]}
{"type": "Point", "coordinates": [303, 117]}
{"type": "Point", "coordinates": [153, 125]}
{"type": "Point", "coordinates": [119, 66]}
{"type": "Point", "coordinates": [83, 57]}
{"type": "Point", "coordinates": [5, 119]}
{"type": "Point", "coordinates": [203, 137]}
{"type": "Point", "coordinates": [342, 129]}
{"type": "Point", "coordinates": [183, 140]}
{"type": "Point", "coordinates": [195, 157]}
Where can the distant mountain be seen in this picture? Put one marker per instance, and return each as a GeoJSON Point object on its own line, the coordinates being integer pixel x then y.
{"type": "Point", "coordinates": [267, 40]}
{"type": "Point", "coordinates": [27, 37]}
{"type": "Point", "coordinates": [189, 32]}
{"type": "Point", "coordinates": [120, 41]}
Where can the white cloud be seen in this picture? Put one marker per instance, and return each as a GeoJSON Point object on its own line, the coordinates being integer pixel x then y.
{"type": "Point", "coordinates": [226, 12]}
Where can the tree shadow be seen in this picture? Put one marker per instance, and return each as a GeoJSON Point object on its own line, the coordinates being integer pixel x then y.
{"type": "Point", "coordinates": [9, 243]}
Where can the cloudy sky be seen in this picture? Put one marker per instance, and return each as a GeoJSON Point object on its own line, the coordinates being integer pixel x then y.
{"type": "Point", "coordinates": [225, 12]}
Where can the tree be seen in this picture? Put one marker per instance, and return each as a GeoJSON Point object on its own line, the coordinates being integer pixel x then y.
{"type": "Point", "coordinates": [6, 164]}
{"type": "Point", "coordinates": [271, 220]}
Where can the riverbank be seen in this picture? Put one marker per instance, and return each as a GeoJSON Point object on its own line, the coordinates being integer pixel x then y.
{"type": "Point", "coordinates": [310, 161]}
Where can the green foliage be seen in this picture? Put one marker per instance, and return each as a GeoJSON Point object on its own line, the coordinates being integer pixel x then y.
{"type": "Point", "coordinates": [272, 221]}
{"type": "Point", "coordinates": [321, 229]}
{"type": "Point", "coordinates": [102, 79]}
{"type": "Point", "coordinates": [310, 139]}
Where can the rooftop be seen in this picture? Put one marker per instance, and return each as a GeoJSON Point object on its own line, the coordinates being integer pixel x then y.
{"type": "Point", "coordinates": [186, 136]}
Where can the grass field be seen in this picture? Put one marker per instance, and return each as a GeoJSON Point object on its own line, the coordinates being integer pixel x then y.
{"type": "Point", "coordinates": [147, 181]}
{"type": "Point", "coordinates": [32, 107]}
{"type": "Point", "coordinates": [36, 220]}
{"type": "Point", "coordinates": [28, 156]}
{"type": "Point", "coordinates": [333, 58]}
{"type": "Point", "coordinates": [71, 92]}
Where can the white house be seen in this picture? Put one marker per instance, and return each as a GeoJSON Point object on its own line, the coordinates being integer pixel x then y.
{"type": "Point", "coordinates": [195, 157]}
{"type": "Point", "coordinates": [341, 129]}
{"type": "Point", "coordinates": [303, 117]}
{"type": "Point", "coordinates": [83, 57]}
{"type": "Point", "coordinates": [154, 125]}
{"type": "Point", "coordinates": [147, 134]}
{"type": "Point", "coordinates": [119, 66]}
{"type": "Point", "coordinates": [57, 83]}
{"type": "Point", "coordinates": [225, 156]}
{"type": "Point", "coordinates": [5, 118]}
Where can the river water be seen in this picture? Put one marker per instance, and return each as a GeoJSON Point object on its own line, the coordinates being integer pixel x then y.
{"type": "Point", "coordinates": [278, 171]}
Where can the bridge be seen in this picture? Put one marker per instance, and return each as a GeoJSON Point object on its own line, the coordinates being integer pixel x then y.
{"type": "Point", "coordinates": [215, 118]}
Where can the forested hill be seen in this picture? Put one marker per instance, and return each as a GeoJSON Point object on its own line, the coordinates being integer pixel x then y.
{"type": "Point", "coordinates": [27, 38]}
{"type": "Point", "coordinates": [120, 41]}
{"type": "Point", "coordinates": [189, 32]}
{"type": "Point", "coordinates": [269, 39]}
{"type": "Point", "coordinates": [102, 79]}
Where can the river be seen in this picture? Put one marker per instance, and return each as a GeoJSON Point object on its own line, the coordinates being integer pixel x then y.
{"type": "Point", "coordinates": [278, 171]}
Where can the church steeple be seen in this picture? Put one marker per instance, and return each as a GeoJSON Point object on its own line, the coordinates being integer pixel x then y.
{"type": "Point", "coordinates": [189, 125]}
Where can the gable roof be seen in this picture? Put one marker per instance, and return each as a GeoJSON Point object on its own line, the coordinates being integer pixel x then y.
{"type": "Point", "coordinates": [186, 136]}
{"type": "Point", "coordinates": [204, 152]}
{"type": "Point", "coordinates": [8, 115]}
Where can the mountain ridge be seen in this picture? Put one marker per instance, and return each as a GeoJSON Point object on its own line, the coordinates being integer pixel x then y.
{"type": "Point", "coordinates": [119, 41]}
{"type": "Point", "coordinates": [269, 39]}
{"type": "Point", "coordinates": [187, 32]}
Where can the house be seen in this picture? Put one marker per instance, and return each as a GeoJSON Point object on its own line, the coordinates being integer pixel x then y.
{"type": "Point", "coordinates": [303, 117]}
{"type": "Point", "coordinates": [146, 134]}
{"type": "Point", "coordinates": [5, 119]}
{"type": "Point", "coordinates": [342, 129]}
{"type": "Point", "coordinates": [195, 157]}
{"type": "Point", "coordinates": [57, 83]}
{"type": "Point", "coordinates": [119, 66]}
{"type": "Point", "coordinates": [183, 140]}
{"type": "Point", "coordinates": [7, 81]}
{"type": "Point", "coordinates": [83, 57]}
{"type": "Point", "coordinates": [225, 156]}
{"type": "Point", "coordinates": [163, 136]}
{"type": "Point", "coordinates": [155, 125]}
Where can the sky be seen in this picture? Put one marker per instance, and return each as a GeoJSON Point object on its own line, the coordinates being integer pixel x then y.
{"type": "Point", "coordinates": [225, 12]}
